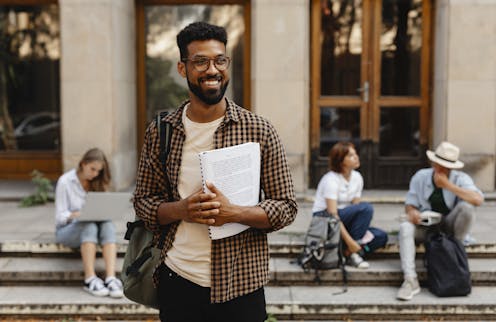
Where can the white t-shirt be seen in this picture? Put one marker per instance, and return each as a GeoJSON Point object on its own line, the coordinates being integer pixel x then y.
{"type": "Point", "coordinates": [334, 186]}
{"type": "Point", "coordinates": [190, 254]}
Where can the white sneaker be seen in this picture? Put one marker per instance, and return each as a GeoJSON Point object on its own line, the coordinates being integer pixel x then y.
{"type": "Point", "coordinates": [114, 285]}
{"type": "Point", "coordinates": [469, 240]}
{"type": "Point", "coordinates": [96, 287]}
{"type": "Point", "coordinates": [357, 261]}
{"type": "Point", "coordinates": [408, 289]}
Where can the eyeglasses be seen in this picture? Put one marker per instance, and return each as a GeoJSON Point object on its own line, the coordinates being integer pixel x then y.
{"type": "Point", "coordinates": [202, 64]}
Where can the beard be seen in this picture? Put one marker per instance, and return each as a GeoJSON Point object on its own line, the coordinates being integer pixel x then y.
{"type": "Point", "coordinates": [209, 97]}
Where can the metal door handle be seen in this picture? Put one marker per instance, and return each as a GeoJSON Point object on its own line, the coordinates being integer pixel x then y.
{"type": "Point", "coordinates": [365, 91]}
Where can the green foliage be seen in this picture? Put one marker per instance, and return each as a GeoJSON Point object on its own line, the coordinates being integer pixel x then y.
{"type": "Point", "coordinates": [271, 318]}
{"type": "Point", "coordinates": [43, 192]}
{"type": "Point", "coordinates": [163, 92]}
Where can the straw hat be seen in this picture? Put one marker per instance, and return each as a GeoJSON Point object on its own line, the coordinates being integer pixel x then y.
{"type": "Point", "coordinates": [446, 155]}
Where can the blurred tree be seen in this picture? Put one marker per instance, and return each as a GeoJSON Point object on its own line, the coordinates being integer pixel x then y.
{"type": "Point", "coordinates": [26, 33]}
{"type": "Point", "coordinates": [162, 90]}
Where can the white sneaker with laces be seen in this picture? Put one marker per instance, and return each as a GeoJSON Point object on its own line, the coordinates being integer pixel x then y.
{"type": "Point", "coordinates": [96, 287]}
{"type": "Point", "coordinates": [408, 289]}
{"type": "Point", "coordinates": [114, 286]}
{"type": "Point", "coordinates": [357, 261]}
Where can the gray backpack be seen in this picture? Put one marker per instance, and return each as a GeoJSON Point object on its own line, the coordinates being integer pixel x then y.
{"type": "Point", "coordinates": [323, 249]}
{"type": "Point", "coordinates": [142, 255]}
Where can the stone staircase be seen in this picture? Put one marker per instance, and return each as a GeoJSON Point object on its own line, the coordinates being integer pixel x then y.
{"type": "Point", "coordinates": [41, 280]}
{"type": "Point", "coordinates": [41, 284]}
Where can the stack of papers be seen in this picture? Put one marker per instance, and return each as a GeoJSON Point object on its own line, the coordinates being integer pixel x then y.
{"type": "Point", "coordinates": [427, 218]}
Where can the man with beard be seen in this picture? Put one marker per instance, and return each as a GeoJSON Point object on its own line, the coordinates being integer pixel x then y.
{"type": "Point", "coordinates": [200, 279]}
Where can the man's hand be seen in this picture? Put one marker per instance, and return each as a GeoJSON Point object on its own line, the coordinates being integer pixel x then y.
{"type": "Point", "coordinates": [74, 215]}
{"type": "Point", "coordinates": [413, 215]}
{"type": "Point", "coordinates": [441, 180]}
{"type": "Point", "coordinates": [200, 207]}
{"type": "Point", "coordinates": [227, 212]}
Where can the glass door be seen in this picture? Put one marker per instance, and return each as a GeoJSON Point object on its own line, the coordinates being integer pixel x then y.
{"type": "Point", "coordinates": [29, 89]}
{"type": "Point", "coordinates": [340, 78]}
{"type": "Point", "coordinates": [401, 77]}
{"type": "Point", "coordinates": [370, 85]}
{"type": "Point", "coordinates": [160, 87]}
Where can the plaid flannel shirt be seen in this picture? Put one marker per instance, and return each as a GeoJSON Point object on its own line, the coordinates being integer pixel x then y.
{"type": "Point", "coordinates": [240, 264]}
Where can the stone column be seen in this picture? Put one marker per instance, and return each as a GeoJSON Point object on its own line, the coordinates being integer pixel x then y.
{"type": "Point", "coordinates": [464, 100]}
{"type": "Point", "coordinates": [280, 77]}
{"type": "Point", "coordinates": [98, 84]}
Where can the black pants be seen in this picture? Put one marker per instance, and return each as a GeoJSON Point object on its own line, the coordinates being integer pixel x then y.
{"type": "Point", "coordinates": [184, 301]}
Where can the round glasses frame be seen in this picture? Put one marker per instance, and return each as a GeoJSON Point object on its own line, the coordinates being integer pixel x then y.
{"type": "Point", "coordinates": [203, 64]}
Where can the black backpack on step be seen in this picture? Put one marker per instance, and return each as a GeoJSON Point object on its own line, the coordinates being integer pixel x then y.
{"type": "Point", "coordinates": [448, 273]}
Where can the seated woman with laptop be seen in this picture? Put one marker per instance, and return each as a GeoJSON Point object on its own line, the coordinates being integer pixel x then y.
{"type": "Point", "coordinates": [92, 174]}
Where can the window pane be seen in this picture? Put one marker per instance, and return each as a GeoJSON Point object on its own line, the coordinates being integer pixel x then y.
{"type": "Point", "coordinates": [401, 46]}
{"type": "Point", "coordinates": [341, 44]}
{"type": "Point", "coordinates": [338, 124]}
{"type": "Point", "coordinates": [165, 88]}
{"type": "Point", "coordinates": [399, 132]}
{"type": "Point", "coordinates": [29, 78]}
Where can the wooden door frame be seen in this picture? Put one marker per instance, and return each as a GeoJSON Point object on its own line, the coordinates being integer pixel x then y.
{"type": "Point", "coordinates": [17, 164]}
{"type": "Point", "coordinates": [141, 53]}
{"type": "Point", "coordinates": [423, 101]}
{"type": "Point", "coordinates": [339, 101]}
{"type": "Point", "coordinates": [371, 71]}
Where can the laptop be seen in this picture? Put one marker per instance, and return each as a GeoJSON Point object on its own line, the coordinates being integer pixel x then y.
{"type": "Point", "coordinates": [102, 206]}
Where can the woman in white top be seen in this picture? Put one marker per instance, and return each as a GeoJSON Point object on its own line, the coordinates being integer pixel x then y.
{"type": "Point", "coordinates": [338, 194]}
{"type": "Point", "coordinates": [92, 174]}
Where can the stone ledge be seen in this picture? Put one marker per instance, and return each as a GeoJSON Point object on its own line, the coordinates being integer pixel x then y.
{"type": "Point", "coordinates": [282, 271]}
{"type": "Point", "coordinates": [280, 245]}
{"type": "Point", "coordinates": [290, 303]}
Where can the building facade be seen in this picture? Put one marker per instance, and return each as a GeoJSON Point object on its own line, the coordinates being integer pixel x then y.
{"type": "Point", "coordinates": [394, 77]}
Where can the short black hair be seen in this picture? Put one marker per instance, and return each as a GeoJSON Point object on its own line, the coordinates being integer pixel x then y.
{"type": "Point", "coordinates": [199, 31]}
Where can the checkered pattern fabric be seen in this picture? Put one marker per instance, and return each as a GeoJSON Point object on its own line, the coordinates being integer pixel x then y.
{"type": "Point", "coordinates": [240, 264]}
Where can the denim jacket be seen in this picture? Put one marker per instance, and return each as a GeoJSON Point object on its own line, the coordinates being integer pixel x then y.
{"type": "Point", "coordinates": [421, 187]}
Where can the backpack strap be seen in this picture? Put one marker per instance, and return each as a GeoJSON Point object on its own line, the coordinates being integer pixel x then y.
{"type": "Point", "coordinates": [165, 140]}
{"type": "Point", "coordinates": [165, 133]}
{"type": "Point", "coordinates": [164, 144]}
{"type": "Point", "coordinates": [131, 226]}
{"type": "Point", "coordinates": [344, 272]}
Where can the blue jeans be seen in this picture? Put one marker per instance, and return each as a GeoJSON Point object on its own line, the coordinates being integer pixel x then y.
{"type": "Point", "coordinates": [379, 241]}
{"type": "Point", "coordinates": [356, 218]}
{"type": "Point", "coordinates": [77, 232]}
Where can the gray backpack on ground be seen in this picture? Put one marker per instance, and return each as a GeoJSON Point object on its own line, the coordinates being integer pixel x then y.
{"type": "Point", "coordinates": [323, 246]}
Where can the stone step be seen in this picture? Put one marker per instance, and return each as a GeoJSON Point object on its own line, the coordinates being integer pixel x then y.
{"type": "Point", "coordinates": [292, 303]}
{"type": "Point", "coordinates": [288, 245]}
{"type": "Point", "coordinates": [283, 271]}
{"type": "Point", "coordinates": [280, 245]}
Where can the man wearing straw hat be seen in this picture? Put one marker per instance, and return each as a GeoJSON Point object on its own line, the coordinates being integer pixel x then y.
{"type": "Point", "coordinates": [440, 189]}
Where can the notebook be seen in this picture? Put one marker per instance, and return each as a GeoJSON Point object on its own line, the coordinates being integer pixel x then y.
{"type": "Point", "coordinates": [427, 218]}
{"type": "Point", "coordinates": [235, 171]}
{"type": "Point", "coordinates": [102, 206]}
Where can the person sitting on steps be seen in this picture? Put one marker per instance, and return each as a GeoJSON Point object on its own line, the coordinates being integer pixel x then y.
{"type": "Point", "coordinates": [92, 174]}
{"type": "Point", "coordinates": [338, 193]}
{"type": "Point", "coordinates": [442, 189]}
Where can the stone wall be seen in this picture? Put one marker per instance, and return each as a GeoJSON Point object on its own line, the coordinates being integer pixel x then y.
{"type": "Point", "coordinates": [98, 84]}
{"type": "Point", "coordinates": [464, 97]}
{"type": "Point", "coordinates": [280, 75]}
